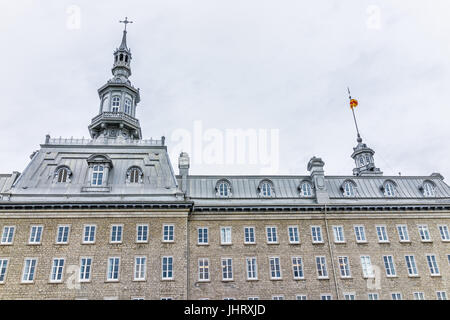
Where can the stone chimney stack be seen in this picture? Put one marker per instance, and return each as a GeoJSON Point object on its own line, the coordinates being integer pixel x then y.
{"type": "Point", "coordinates": [315, 167]}
{"type": "Point", "coordinates": [183, 166]}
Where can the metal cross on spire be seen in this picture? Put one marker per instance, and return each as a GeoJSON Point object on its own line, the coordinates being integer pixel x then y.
{"type": "Point", "coordinates": [125, 22]}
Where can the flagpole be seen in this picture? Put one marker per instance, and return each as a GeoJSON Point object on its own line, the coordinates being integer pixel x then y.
{"type": "Point", "coordinates": [353, 112]}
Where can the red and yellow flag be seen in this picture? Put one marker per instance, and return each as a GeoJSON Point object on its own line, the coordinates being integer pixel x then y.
{"type": "Point", "coordinates": [353, 103]}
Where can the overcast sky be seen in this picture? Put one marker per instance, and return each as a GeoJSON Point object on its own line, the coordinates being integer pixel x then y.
{"type": "Point", "coordinates": [279, 67]}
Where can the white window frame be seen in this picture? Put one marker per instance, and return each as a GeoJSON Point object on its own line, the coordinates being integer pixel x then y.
{"type": "Point", "coordinates": [118, 227]}
{"type": "Point", "coordinates": [297, 267]}
{"type": "Point", "coordinates": [34, 242]}
{"type": "Point", "coordinates": [98, 175]}
{"type": "Point", "coordinates": [389, 266]}
{"type": "Point", "coordinates": [251, 267]}
{"type": "Point", "coordinates": [145, 227]}
{"type": "Point", "coordinates": [349, 296]}
{"type": "Point", "coordinates": [275, 268]}
{"type": "Point", "coordinates": [338, 232]}
{"type": "Point", "coordinates": [382, 237]}
{"type": "Point", "coordinates": [226, 238]}
{"type": "Point", "coordinates": [373, 296]}
{"type": "Point", "coordinates": [57, 270]}
{"type": "Point", "coordinates": [344, 267]}
{"type": "Point", "coordinates": [4, 264]}
{"type": "Point", "coordinates": [109, 277]}
{"type": "Point", "coordinates": [227, 268]}
{"type": "Point", "coordinates": [419, 295]}
{"type": "Point", "coordinates": [293, 234]}
{"type": "Point", "coordinates": [396, 296]}
{"type": "Point", "coordinates": [321, 267]}
{"type": "Point", "coordinates": [57, 234]}
{"type": "Point", "coordinates": [167, 270]}
{"type": "Point", "coordinates": [411, 265]}
{"type": "Point", "coordinates": [278, 297]}
{"type": "Point", "coordinates": [203, 270]}
{"type": "Point", "coordinates": [316, 234]}
{"type": "Point", "coordinates": [434, 269]}
{"type": "Point", "coordinates": [84, 241]}
{"type": "Point", "coordinates": [403, 234]}
{"type": "Point", "coordinates": [29, 269]}
{"type": "Point", "coordinates": [272, 235]}
{"type": "Point", "coordinates": [140, 269]}
{"type": "Point", "coordinates": [170, 235]}
{"type": "Point", "coordinates": [251, 235]}
{"type": "Point", "coordinates": [367, 267]}
{"type": "Point", "coordinates": [444, 232]}
{"type": "Point", "coordinates": [82, 276]}
{"type": "Point", "coordinates": [204, 232]}
{"type": "Point", "coordinates": [301, 297]}
{"type": "Point", "coordinates": [362, 235]}
{"type": "Point", "coordinates": [326, 296]}
{"type": "Point", "coordinates": [441, 295]}
{"type": "Point", "coordinates": [424, 233]}
{"type": "Point", "coordinates": [7, 234]}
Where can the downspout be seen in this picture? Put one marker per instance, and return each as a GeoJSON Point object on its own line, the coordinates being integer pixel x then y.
{"type": "Point", "coordinates": [331, 253]}
{"type": "Point", "coordinates": [188, 258]}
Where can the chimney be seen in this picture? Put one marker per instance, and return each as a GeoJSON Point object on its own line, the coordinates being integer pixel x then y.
{"type": "Point", "coordinates": [183, 166]}
{"type": "Point", "coordinates": [315, 167]}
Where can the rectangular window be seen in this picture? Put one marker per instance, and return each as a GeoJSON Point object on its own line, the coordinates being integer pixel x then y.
{"type": "Point", "coordinates": [349, 296]}
{"type": "Point", "coordinates": [7, 235]}
{"type": "Point", "coordinates": [142, 233]}
{"type": "Point", "coordinates": [113, 269]}
{"type": "Point", "coordinates": [297, 267]}
{"type": "Point", "coordinates": [116, 233]}
{"type": "Point", "coordinates": [338, 232]}
{"type": "Point", "coordinates": [227, 269]}
{"type": "Point", "coordinates": [424, 233]}
{"type": "Point", "coordinates": [382, 234]}
{"type": "Point", "coordinates": [203, 269]}
{"type": "Point", "coordinates": [140, 268]}
{"type": "Point", "coordinates": [316, 234]}
{"type": "Point", "coordinates": [168, 233]}
{"type": "Point", "coordinates": [252, 268]}
{"type": "Point", "coordinates": [253, 298]}
{"type": "Point", "coordinates": [293, 234]}
{"type": "Point", "coordinates": [373, 296]}
{"type": "Point", "coordinates": [360, 234]}
{"type": "Point", "coordinates": [443, 230]}
{"type": "Point", "coordinates": [389, 266]}
{"type": "Point", "coordinates": [411, 265]}
{"type": "Point", "coordinates": [366, 265]}
{"type": "Point", "coordinates": [62, 236]}
{"type": "Point", "coordinates": [321, 265]}
{"type": "Point", "coordinates": [441, 295]}
{"type": "Point", "coordinates": [271, 233]}
{"type": "Point", "coordinates": [85, 269]}
{"type": "Point", "coordinates": [300, 297]}
{"type": "Point", "coordinates": [325, 296]}
{"type": "Point", "coordinates": [249, 235]}
{"type": "Point", "coordinates": [89, 234]}
{"type": "Point", "coordinates": [275, 269]}
{"type": "Point", "coordinates": [202, 235]}
{"type": "Point", "coordinates": [3, 268]}
{"type": "Point", "coordinates": [419, 296]}
{"type": "Point", "coordinates": [167, 268]}
{"type": "Point", "coordinates": [344, 267]}
{"type": "Point", "coordinates": [29, 269]}
{"type": "Point", "coordinates": [225, 235]}
{"type": "Point", "coordinates": [403, 233]}
{"type": "Point", "coordinates": [396, 296]}
{"type": "Point", "coordinates": [35, 234]}
{"type": "Point", "coordinates": [432, 264]}
{"type": "Point", "coordinates": [57, 270]}
{"type": "Point", "coordinates": [278, 297]}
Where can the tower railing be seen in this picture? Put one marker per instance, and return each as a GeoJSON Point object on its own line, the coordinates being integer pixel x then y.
{"type": "Point", "coordinates": [103, 141]}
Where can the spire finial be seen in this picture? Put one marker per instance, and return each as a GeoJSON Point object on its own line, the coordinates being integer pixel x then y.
{"type": "Point", "coordinates": [125, 22]}
{"type": "Point", "coordinates": [353, 104]}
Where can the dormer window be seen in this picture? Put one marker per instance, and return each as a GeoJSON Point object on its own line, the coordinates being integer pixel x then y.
{"type": "Point", "coordinates": [349, 189]}
{"type": "Point", "coordinates": [127, 106]}
{"type": "Point", "coordinates": [134, 175]}
{"type": "Point", "coordinates": [428, 189]}
{"type": "Point", "coordinates": [97, 175]}
{"type": "Point", "coordinates": [223, 189]}
{"type": "Point", "coordinates": [63, 174]}
{"type": "Point", "coordinates": [389, 189]}
{"type": "Point", "coordinates": [266, 189]}
{"type": "Point", "coordinates": [115, 104]}
{"type": "Point", "coordinates": [305, 189]}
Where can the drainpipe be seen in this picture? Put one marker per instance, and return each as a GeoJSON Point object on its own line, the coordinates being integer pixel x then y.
{"type": "Point", "coordinates": [331, 253]}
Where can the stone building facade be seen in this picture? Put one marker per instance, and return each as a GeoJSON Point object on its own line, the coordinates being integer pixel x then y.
{"type": "Point", "coordinates": [107, 218]}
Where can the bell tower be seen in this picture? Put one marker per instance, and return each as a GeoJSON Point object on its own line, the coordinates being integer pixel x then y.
{"type": "Point", "coordinates": [118, 100]}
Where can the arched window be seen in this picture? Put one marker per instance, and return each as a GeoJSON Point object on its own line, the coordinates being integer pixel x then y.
{"type": "Point", "coordinates": [361, 161]}
{"type": "Point", "coordinates": [115, 104]}
{"type": "Point", "coordinates": [126, 58]}
{"type": "Point", "coordinates": [223, 189]}
{"type": "Point", "coordinates": [97, 175]}
{"type": "Point", "coordinates": [428, 189]}
{"type": "Point", "coordinates": [121, 57]}
{"type": "Point", "coordinates": [134, 175]}
{"type": "Point", "coordinates": [349, 189]}
{"type": "Point", "coordinates": [266, 189]}
{"type": "Point", "coordinates": [368, 159]}
{"type": "Point", "coordinates": [305, 189]}
{"type": "Point", "coordinates": [389, 189]}
{"type": "Point", "coordinates": [127, 106]}
{"type": "Point", "coordinates": [62, 174]}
